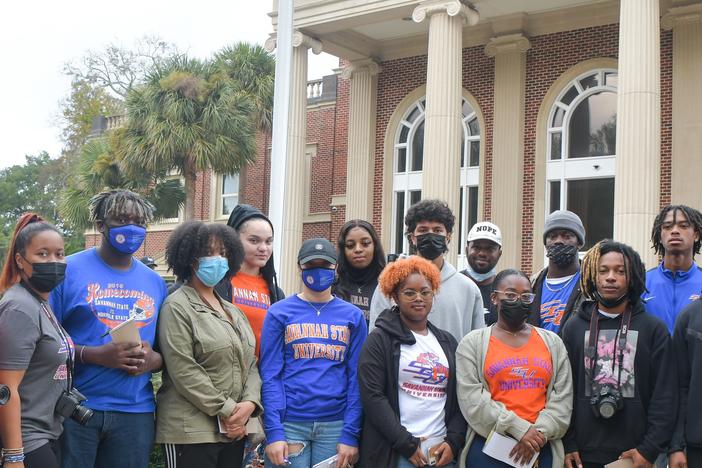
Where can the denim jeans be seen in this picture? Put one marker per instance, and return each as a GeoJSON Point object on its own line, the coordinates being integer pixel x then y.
{"type": "Point", "coordinates": [110, 439]}
{"type": "Point", "coordinates": [318, 439]}
{"type": "Point", "coordinates": [476, 457]}
{"type": "Point", "coordinates": [402, 462]}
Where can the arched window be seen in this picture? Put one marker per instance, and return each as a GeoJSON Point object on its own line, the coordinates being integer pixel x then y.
{"type": "Point", "coordinates": [407, 171]}
{"type": "Point", "coordinates": [581, 152]}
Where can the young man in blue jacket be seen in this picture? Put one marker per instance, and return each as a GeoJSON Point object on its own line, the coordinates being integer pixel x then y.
{"type": "Point", "coordinates": [677, 281]}
{"type": "Point", "coordinates": [310, 345]}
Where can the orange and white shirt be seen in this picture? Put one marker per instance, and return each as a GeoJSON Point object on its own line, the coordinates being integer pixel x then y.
{"type": "Point", "coordinates": [250, 294]}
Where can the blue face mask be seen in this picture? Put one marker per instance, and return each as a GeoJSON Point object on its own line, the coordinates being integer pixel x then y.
{"type": "Point", "coordinates": [318, 279]}
{"type": "Point", "coordinates": [211, 270]}
{"type": "Point", "coordinates": [126, 239]}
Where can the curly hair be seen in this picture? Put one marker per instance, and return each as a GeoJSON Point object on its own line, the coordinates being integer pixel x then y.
{"type": "Point", "coordinates": [693, 216]}
{"type": "Point", "coordinates": [398, 271]}
{"type": "Point", "coordinates": [634, 269]}
{"type": "Point", "coordinates": [429, 210]}
{"type": "Point", "coordinates": [192, 240]}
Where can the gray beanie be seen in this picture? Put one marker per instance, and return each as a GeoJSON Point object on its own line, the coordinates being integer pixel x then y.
{"type": "Point", "coordinates": [564, 219]}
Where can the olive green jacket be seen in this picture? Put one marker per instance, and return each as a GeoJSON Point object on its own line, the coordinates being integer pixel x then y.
{"type": "Point", "coordinates": [209, 366]}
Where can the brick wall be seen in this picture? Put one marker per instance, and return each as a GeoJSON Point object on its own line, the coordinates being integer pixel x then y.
{"type": "Point", "coordinates": [666, 115]}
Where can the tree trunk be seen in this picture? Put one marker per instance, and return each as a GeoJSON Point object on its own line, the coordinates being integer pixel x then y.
{"type": "Point", "coordinates": [190, 176]}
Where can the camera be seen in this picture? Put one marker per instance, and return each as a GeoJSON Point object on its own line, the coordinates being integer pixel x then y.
{"type": "Point", "coordinates": [4, 394]}
{"type": "Point", "coordinates": [607, 402]}
{"type": "Point", "coordinates": [69, 406]}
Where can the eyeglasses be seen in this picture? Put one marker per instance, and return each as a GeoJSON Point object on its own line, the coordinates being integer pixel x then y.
{"type": "Point", "coordinates": [511, 296]}
{"type": "Point", "coordinates": [411, 294]}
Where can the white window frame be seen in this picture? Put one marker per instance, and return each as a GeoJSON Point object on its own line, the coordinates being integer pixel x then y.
{"type": "Point", "coordinates": [409, 181]}
{"type": "Point", "coordinates": [181, 210]}
{"type": "Point", "coordinates": [221, 196]}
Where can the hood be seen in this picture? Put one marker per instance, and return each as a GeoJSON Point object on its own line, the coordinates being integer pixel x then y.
{"type": "Point", "coordinates": [585, 310]}
{"type": "Point", "coordinates": [389, 321]}
{"type": "Point", "coordinates": [242, 213]}
{"type": "Point", "coordinates": [447, 271]}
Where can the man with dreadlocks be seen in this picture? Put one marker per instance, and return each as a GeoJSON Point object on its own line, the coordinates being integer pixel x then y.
{"type": "Point", "coordinates": [677, 281]}
{"type": "Point", "coordinates": [104, 287]}
{"type": "Point", "coordinates": [625, 397]}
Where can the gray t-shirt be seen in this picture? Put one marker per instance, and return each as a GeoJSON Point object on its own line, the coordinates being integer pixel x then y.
{"type": "Point", "coordinates": [30, 342]}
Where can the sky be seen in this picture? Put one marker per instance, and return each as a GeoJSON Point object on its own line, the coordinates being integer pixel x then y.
{"type": "Point", "coordinates": [37, 38]}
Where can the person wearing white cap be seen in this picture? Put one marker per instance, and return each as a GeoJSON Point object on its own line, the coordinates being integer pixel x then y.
{"type": "Point", "coordinates": [483, 251]}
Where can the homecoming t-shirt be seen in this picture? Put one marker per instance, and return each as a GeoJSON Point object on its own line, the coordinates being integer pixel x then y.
{"type": "Point", "coordinates": [250, 294]}
{"type": "Point", "coordinates": [555, 293]}
{"type": "Point", "coordinates": [422, 380]}
{"type": "Point", "coordinates": [95, 298]}
{"type": "Point", "coordinates": [519, 377]}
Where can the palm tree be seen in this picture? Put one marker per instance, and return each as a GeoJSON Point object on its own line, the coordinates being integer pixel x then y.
{"type": "Point", "coordinates": [188, 116]}
{"type": "Point", "coordinates": [252, 68]}
{"type": "Point", "coordinates": [99, 168]}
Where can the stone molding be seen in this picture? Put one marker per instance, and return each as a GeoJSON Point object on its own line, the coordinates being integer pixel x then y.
{"type": "Point", "coordinates": [469, 15]}
{"type": "Point", "coordinates": [298, 39]}
{"type": "Point", "coordinates": [369, 66]}
{"type": "Point", "coordinates": [689, 14]}
{"type": "Point", "coordinates": [509, 43]}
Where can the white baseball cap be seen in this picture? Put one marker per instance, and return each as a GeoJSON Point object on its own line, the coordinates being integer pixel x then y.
{"type": "Point", "coordinates": [485, 230]}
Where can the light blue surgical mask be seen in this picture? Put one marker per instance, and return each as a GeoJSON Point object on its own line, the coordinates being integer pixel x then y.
{"type": "Point", "coordinates": [480, 277]}
{"type": "Point", "coordinates": [318, 279]}
{"type": "Point", "coordinates": [211, 270]}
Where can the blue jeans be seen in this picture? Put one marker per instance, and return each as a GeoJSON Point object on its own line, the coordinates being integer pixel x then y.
{"type": "Point", "coordinates": [477, 459]}
{"type": "Point", "coordinates": [110, 439]}
{"type": "Point", "coordinates": [318, 441]}
{"type": "Point", "coordinates": [402, 462]}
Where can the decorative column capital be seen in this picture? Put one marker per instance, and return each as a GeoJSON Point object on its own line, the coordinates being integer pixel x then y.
{"type": "Point", "coordinates": [676, 16]}
{"type": "Point", "coordinates": [368, 65]}
{"type": "Point", "coordinates": [300, 39]}
{"type": "Point", "coordinates": [507, 44]}
{"type": "Point", "coordinates": [458, 8]}
{"type": "Point", "coordinates": [271, 43]}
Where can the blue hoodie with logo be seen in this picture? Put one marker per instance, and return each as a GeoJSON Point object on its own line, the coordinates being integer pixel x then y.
{"type": "Point", "coordinates": [669, 292]}
{"type": "Point", "coordinates": [309, 359]}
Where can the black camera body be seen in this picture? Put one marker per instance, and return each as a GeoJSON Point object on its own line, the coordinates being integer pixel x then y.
{"type": "Point", "coordinates": [606, 402]}
{"type": "Point", "coordinates": [69, 406]}
{"type": "Point", "coordinates": [4, 394]}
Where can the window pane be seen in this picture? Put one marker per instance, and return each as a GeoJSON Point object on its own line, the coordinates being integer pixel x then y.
{"type": "Point", "coordinates": [464, 149]}
{"type": "Point", "coordinates": [474, 153]}
{"type": "Point", "coordinates": [569, 96]}
{"type": "Point", "coordinates": [611, 79]}
{"type": "Point", "coordinates": [399, 222]}
{"type": "Point", "coordinates": [418, 148]}
{"type": "Point", "coordinates": [472, 207]}
{"type": "Point", "coordinates": [467, 109]}
{"type": "Point", "coordinates": [404, 131]}
{"type": "Point", "coordinates": [228, 204]}
{"type": "Point", "coordinates": [558, 117]}
{"type": "Point", "coordinates": [415, 196]}
{"type": "Point", "coordinates": [593, 126]}
{"type": "Point", "coordinates": [413, 115]}
{"type": "Point", "coordinates": [401, 159]}
{"type": "Point", "coordinates": [230, 184]}
{"type": "Point", "coordinates": [589, 81]}
{"type": "Point", "coordinates": [593, 201]}
{"type": "Point", "coordinates": [555, 197]}
{"type": "Point", "coordinates": [459, 219]}
{"type": "Point", "coordinates": [474, 127]}
{"type": "Point", "coordinates": [556, 142]}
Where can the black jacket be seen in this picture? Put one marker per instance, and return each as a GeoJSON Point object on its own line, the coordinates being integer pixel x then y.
{"type": "Point", "coordinates": [647, 419]}
{"type": "Point", "coordinates": [383, 436]}
{"type": "Point", "coordinates": [687, 345]}
{"type": "Point", "coordinates": [573, 304]}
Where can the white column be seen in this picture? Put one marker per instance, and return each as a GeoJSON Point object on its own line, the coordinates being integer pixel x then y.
{"type": "Point", "coordinates": [686, 23]}
{"type": "Point", "coordinates": [361, 139]}
{"type": "Point", "coordinates": [293, 198]}
{"type": "Point", "coordinates": [508, 141]}
{"type": "Point", "coordinates": [637, 179]}
{"type": "Point", "coordinates": [442, 128]}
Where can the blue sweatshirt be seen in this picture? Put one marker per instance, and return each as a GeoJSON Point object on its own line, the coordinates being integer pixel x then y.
{"type": "Point", "coordinates": [308, 365]}
{"type": "Point", "coordinates": [669, 293]}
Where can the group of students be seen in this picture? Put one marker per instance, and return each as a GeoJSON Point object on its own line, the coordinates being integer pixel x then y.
{"type": "Point", "coordinates": [575, 366]}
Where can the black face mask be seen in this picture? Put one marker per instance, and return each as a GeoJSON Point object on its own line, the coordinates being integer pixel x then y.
{"type": "Point", "coordinates": [431, 245]}
{"type": "Point", "coordinates": [514, 313]}
{"type": "Point", "coordinates": [562, 255]}
{"type": "Point", "coordinates": [609, 303]}
{"type": "Point", "coordinates": [46, 276]}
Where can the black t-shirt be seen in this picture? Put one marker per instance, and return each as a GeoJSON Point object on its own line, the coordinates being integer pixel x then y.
{"type": "Point", "coordinates": [488, 307]}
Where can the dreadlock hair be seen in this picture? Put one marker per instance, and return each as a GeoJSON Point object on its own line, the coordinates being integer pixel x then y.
{"type": "Point", "coordinates": [114, 203]}
{"type": "Point", "coordinates": [28, 226]}
{"type": "Point", "coordinates": [634, 269]}
{"type": "Point", "coordinates": [192, 240]}
{"type": "Point", "coordinates": [693, 216]}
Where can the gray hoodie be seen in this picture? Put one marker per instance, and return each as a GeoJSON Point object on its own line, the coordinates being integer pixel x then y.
{"type": "Point", "coordinates": [457, 308]}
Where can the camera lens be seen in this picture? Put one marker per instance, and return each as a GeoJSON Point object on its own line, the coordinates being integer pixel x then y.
{"type": "Point", "coordinates": [82, 415]}
{"type": "Point", "coordinates": [607, 409]}
{"type": "Point", "coordinates": [4, 394]}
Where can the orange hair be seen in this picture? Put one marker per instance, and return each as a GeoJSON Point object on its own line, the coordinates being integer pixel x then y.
{"type": "Point", "coordinates": [10, 273]}
{"type": "Point", "coordinates": [398, 271]}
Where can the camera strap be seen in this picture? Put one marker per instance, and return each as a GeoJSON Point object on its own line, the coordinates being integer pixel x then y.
{"type": "Point", "coordinates": [620, 346]}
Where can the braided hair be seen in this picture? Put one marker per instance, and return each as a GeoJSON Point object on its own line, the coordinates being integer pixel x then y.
{"type": "Point", "coordinates": [633, 269]}
{"type": "Point", "coordinates": [693, 216]}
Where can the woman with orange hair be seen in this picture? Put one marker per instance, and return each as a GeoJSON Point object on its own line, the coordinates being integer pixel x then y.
{"type": "Point", "coordinates": [35, 351]}
{"type": "Point", "coordinates": [407, 376]}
